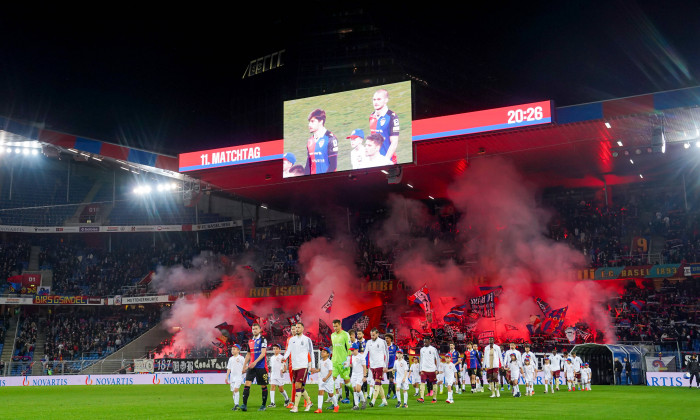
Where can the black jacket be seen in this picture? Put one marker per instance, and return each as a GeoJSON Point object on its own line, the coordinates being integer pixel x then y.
{"type": "Point", "coordinates": [618, 366]}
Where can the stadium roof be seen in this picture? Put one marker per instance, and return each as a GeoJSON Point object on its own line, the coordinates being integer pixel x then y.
{"type": "Point", "coordinates": [580, 149]}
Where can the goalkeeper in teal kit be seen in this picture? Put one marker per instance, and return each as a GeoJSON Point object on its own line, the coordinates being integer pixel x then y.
{"type": "Point", "coordinates": [341, 349]}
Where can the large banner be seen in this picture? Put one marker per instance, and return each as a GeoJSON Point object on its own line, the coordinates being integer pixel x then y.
{"type": "Point", "coordinates": [631, 272]}
{"type": "Point", "coordinates": [232, 155]}
{"type": "Point", "coordinates": [143, 365]}
{"type": "Point", "coordinates": [134, 379]}
{"type": "Point", "coordinates": [667, 379]}
{"type": "Point", "coordinates": [661, 364]}
{"type": "Point", "coordinates": [206, 364]}
{"type": "Point", "coordinates": [484, 305]}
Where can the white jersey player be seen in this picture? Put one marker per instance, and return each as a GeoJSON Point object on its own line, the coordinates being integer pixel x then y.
{"type": "Point", "coordinates": [415, 375]}
{"type": "Point", "coordinates": [429, 359]}
{"type": "Point", "coordinates": [529, 373]}
{"type": "Point", "coordinates": [514, 371]}
{"type": "Point", "coordinates": [402, 379]}
{"type": "Point", "coordinates": [325, 380]}
{"type": "Point", "coordinates": [234, 373]}
{"type": "Point", "coordinates": [449, 372]}
{"type": "Point", "coordinates": [555, 361]}
{"type": "Point", "coordinates": [547, 373]}
{"type": "Point", "coordinates": [276, 378]}
{"type": "Point", "coordinates": [569, 373]}
{"type": "Point", "coordinates": [377, 353]}
{"type": "Point", "coordinates": [358, 363]}
{"type": "Point", "coordinates": [577, 362]}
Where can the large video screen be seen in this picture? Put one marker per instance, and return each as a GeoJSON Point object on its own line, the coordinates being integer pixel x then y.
{"type": "Point", "coordinates": [358, 129]}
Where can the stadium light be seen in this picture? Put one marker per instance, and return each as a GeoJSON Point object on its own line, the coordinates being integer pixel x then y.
{"type": "Point", "coordinates": [35, 152]}
{"type": "Point", "coordinates": [641, 176]}
{"type": "Point", "coordinates": [431, 197]}
{"type": "Point", "coordinates": [409, 185]}
{"type": "Point", "coordinates": [619, 143]}
{"type": "Point", "coordinates": [607, 124]}
{"type": "Point", "coordinates": [686, 145]}
{"type": "Point", "coordinates": [385, 172]}
{"type": "Point", "coordinates": [631, 161]}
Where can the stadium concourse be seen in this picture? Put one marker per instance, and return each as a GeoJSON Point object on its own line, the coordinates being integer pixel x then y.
{"type": "Point", "coordinates": [580, 231]}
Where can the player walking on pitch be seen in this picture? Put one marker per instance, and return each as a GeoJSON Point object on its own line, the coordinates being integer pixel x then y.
{"type": "Point", "coordinates": [255, 367]}
{"type": "Point", "coordinates": [234, 373]}
{"type": "Point", "coordinates": [340, 341]}
{"type": "Point", "coordinates": [301, 350]}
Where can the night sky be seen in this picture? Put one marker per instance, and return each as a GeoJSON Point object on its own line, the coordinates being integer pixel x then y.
{"type": "Point", "coordinates": [166, 80]}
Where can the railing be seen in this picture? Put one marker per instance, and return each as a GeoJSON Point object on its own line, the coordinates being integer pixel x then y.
{"type": "Point", "coordinates": [66, 367]}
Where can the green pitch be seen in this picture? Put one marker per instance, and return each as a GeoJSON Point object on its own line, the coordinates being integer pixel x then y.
{"type": "Point", "coordinates": [215, 402]}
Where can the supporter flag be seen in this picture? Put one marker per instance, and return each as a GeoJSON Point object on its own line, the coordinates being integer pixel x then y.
{"type": "Point", "coordinates": [147, 278]}
{"type": "Point", "coordinates": [15, 283]}
{"type": "Point", "coordinates": [324, 331]}
{"type": "Point", "coordinates": [456, 314]}
{"type": "Point", "coordinates": [484, 337]}
{"type": "Point", "coordinates": [15, 287]}
{"type": "Point", "coordinates": [637, 305]}
{"type": "Point", "coordinates": [484, 305]}
{"type": "Point", "coordinates": [544, 306]}
{"type": "Point", "coordinates": [363, 320]}
{"type": "Point", "coordinates": [249, 317]}
{"type": "Point", "coordinates": [327, 306]}
{"type": "Point", "coordinates": [511, 327]}
{"type": "Point", "coordinates": [422, 297]}
{"type": "Point", "coordinates": [554, 321]}
{"type": "Point", "coordinates": [585, 335]}
{"type": "Point", "coordinates": [497, 290]}
{"type": "Point", "coordinates": [225, 329]}
{"type": "Point", "coordinates": [416, 335]}
{"type": "Point", "coordinates": [294, 319]}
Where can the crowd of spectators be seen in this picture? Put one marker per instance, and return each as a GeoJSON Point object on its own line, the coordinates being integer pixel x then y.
{"type": "Point", "coordinates": [668, 314]}
{"type": "Point", "coordinates": [25, 341]}
{"type": "Point", "coordinates": [13, 257]}
{"type": "Point", "coordinates": [94, 332]}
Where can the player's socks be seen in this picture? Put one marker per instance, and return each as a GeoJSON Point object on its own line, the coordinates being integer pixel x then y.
{"type": "Point", "coordinates": [264, 396]}
{"type": "Point", "coordinates": [422, 391]}
{"type": "Point", "coordinates": [398, 398]}
{"type": "Point", "coordinates": [320, 401]}
{"type": "Point", "coordinates": [370, 391]}
{"type": "Point", "coordinates": [449, 395]}
{"type": "Point", "coordinates": [297, 399]}
{"type": "Point", "coordinates": [545, 387]}
{"type": "Point", "coordinates": [284, 394]}
{"type": "Point", "coordinates": [440, 388]}
{"type": "Point", "coordinates": [246, 394]}
{"type": "Point", "coordinates": [236, 397]}
{"type": "Point", "coordinates": [347, 392]}
{"type": "Point", "coordinates": [272, 396]}
{"type": "Point", "coordinates": [405, 397]}
{"type": "Point", "coordinates": [357, 398]}
{"type": "Point", "coordinates": [517, 389]}
{"type": "Point", "coordinates": [335, 400]}
{"type": "Point", "coordinates": [569, 386]}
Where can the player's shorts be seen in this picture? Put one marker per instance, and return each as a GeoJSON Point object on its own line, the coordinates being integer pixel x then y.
{"type": "Point", "coordinates": [390, 376]}
{"type": "Point", "coordinates": [450, 381]}
{"type": "Point", "coordinates": [401, 384]}
{"type": "Point", "coordinates": [556, 374]}
{"type": "Point", "coordinates": [340, 371]}
{"type": "Point", "coordinates": [514, 375]}
{"type": "Point", "coordinates": [299, 375]}
{"type": "Point", "coordinates": [440, 378]}
{"type": "Point", "coordinates": [276, 380]}
{"type": "Point", "coordinates": [492, 375]}
{"type": "Point", "coordinates": [236, 383]}
{"type": "Point", "coordinates": [377, 374]}
{"type": "Point", "coordinates": [570, 376]}
{"type": "Point", "coordinates": [578, 375]}
{"type": "Point", "coordinates": [416, 379]}
{"type": "Point", "coordinates": [356, 381]}
{"type": "Point", "coordinates": [428, 377]}
{"type": "Point", "coordinates": [327, 386]}
{"type": "Point", "coordinates": [473, 371]}
{"type": "Point", "coordinates": [548, 376]}
{"type": "Point", "coordinates": [258, 374]}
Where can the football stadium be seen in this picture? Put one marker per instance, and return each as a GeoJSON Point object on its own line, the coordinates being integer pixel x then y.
{"type": "Point", "coordinates": [526, 260]}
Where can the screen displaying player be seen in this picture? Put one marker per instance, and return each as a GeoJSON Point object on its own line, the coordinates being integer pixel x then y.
{"type": "Point", "coordinates": [326, 133]}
